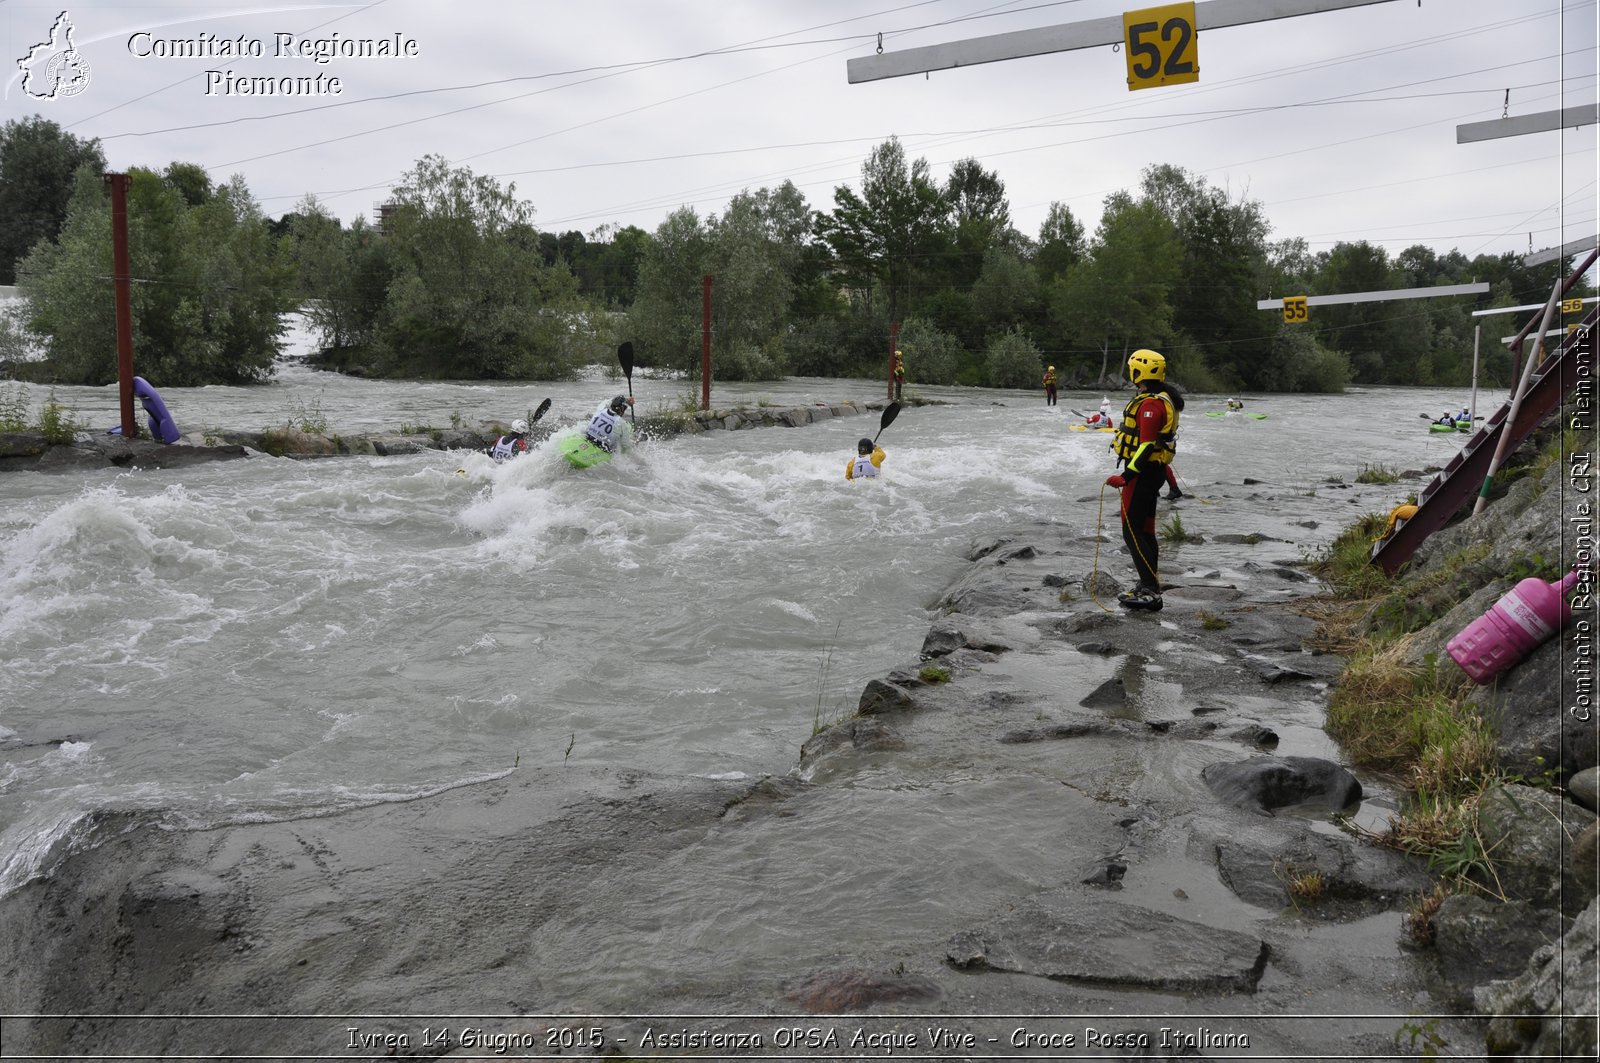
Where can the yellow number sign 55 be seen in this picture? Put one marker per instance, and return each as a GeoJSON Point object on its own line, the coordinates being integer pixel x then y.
{"type": "Point", "coordinates": [1294, 308]}
{"type": "Point", "coordinates": [1161, 46]}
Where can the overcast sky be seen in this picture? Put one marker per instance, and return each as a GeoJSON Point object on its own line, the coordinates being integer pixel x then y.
{"type": "Point", "coordinates": [1341, 124]}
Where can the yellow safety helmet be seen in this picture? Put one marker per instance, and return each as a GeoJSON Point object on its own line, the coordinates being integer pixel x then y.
{"type": "Point", "coordinates": [1146, 365]}
{"type": "Point", "coordinates": [1052, 369]}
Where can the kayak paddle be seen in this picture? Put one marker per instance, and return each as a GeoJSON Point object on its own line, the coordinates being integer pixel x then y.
{"type": "Point", "coordinates": [625, 357]}
{"type": "Point", "coordinates": [890, 412]}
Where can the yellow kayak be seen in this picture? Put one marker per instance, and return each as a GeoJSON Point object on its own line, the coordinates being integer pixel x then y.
{"type": "Point", "coordinates": [1086, 428]}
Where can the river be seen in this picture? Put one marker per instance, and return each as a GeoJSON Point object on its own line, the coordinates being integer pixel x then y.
{"type": "Point", "coordinates": [275, 639]}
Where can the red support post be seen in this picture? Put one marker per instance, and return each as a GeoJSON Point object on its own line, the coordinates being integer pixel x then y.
{"type": "Point", "coordinates": [894, 345]}
{"type": "Point", "coordinates": [124, 298]}
{"type": "Point", "coordinates": [705, 343]}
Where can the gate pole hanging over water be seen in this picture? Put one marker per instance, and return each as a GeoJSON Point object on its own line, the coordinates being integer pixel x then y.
{"type": "Point", "coordinates": [705, 342]}
{"type": "Point", "coordinates": [124, 299]}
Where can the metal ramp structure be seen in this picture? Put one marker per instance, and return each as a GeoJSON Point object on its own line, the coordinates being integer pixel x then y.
{"type": "Point", "coordinates": [1463, 479]}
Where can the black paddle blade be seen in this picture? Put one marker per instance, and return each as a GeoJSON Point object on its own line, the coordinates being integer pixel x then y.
{"type": "Point", "coordinates": [625, 357]}
{"type": "Point", "coordinates": [890, 412]}
{"type": "Point", "coordinates": [544, 408]}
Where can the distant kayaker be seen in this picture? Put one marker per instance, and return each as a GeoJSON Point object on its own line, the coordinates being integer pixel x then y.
{"type": "Point", "coordinates": [1102, 417]}
{"type": "Point", "coordinates": [1235, 404]}
{"type": "Point", "coordinates": [1464, 415]}
{"type": "Point", "coordinates": [606, 429]}
{"type": "Point", "coordinates": [1448, 418]}
{"type": "Point", "coordinates": [867, 463]}
{"type": "Point", "coordinates": [1145, 444]}
{"type": "Point", "coordinates": [509, 446]}
{"type": "Point", "coordinates": [1050, 386]}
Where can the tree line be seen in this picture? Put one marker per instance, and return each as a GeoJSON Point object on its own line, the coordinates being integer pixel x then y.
{"type": "Point", "coordinates": [454, 280]}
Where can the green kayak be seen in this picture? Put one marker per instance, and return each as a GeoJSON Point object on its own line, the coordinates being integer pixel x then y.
{"type": "Point", "coordinates": [581, 453]}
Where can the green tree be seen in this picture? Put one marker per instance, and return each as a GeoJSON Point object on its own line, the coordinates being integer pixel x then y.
{"type": "Point", "coordinates": [1224, 264]}
{"type": "Point", "coordinates": [665, 319]}
{"type": "Point", "coordinates": [344, 277]}
{"type": "Point", "coordinates": [981, 216]}
{"type": "Point", "coordinates": [939, 356]}
{"type": "Point", "coordinates": [1118, 298]}
{"type": "Point", "coordinates": [213, 292]}
{"type": "Point", "coordinates": [1006, 294]}
{"type": "Point", "coordinates": [1061, 243]}
{"type": "Point", "coordinates": [1358, 329]}
{"type": "Point", "coordinates": [470, 296]}
{"type": "Point", "coordinates": [879, 236]}
{"type": "Point", "coordinates": [1012, 361]}
{"type": "Point", "coordinates": [37, 162]}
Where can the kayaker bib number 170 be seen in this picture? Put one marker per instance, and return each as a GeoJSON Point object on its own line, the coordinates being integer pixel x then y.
{"type": "Point", "coordinates": [1161, 46]}
{"type": "Point", "coordinates": [1294, 308]}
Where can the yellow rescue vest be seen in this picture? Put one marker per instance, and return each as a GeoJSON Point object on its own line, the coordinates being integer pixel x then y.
{"type": "Point", "coordinates": [1126, 442]}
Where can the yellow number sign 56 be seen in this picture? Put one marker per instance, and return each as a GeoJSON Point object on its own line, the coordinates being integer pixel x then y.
{"type": "Point", "coordinates": [1161, 46]}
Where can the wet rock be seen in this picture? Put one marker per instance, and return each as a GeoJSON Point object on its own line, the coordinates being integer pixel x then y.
{"type": "Point", "coordinates": [1549, 1010]}
{"type": "Point", "coordinates": [1478, 940]}
{"type": "Point", "coordinates": [1584, 788]}
{"type": "Point", "coordinates": [1107, 873]}
{"type": "Point", "coordinates": [981, 592]}
{"type": "Point", "coordinates": [856, 735]}
{"type": "Point", "coordinates": [30, 451]}
{"type": "Point", "coordinates": [950, 633]}
{"type": "Point", "coordinates": [854, 991]}
{"type": "Point", "coordinates": [1112, 694]}
{"type": "Point", "coordinates": [1527, 831]}
{"type": "Point", "coordinates": [1057, 731]}
{"type": "Point", "coordinates": [1271, 673]}
{"type": "Point", "coordinates": [1533, 739]}
{"type": "Point", "coordinates": [1278, 632]}
{"type": "Point", "coordinates": [175, 913]}
{"type": "Point", "coordinates": [1265, 784]}
{"type": "Point", "coordinates": [1586, 860]}
{"type": "Point", "coordinates": [1100, 649]}
{"type": "Point", "coordinates": [983, 546]}
{"type": "Point", "coordinates": [1255, 735]}
{"type": "Point", "coordinates": [1259, 863]}
{"type": "Point", "coordinates": [1100, 585]}
{"type": "Point", "coordinates": [880, 697]}
{"type": "Point", "coordinates": [23, 444]}
{"type": "Point", "coordinates": [1067, 937]}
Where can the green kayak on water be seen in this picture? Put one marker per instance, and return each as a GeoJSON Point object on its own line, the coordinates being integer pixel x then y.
{"type": "Point", "coordinates": [581, 453]}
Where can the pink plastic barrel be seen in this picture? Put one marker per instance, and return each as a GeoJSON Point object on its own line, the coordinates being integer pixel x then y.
{"type": "Point", "coordinates": [1529, 613]}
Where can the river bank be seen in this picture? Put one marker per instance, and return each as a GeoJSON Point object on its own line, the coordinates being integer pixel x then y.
{"type": "Point", "coordinates": [35, 451]}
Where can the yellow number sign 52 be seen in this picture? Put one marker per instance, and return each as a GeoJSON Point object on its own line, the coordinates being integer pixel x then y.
{"type": "Point", "coordinates": [1161, 46]}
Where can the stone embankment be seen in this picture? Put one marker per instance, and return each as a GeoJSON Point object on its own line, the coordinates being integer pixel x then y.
{"type": "Point", "coordinates": [34, 451]}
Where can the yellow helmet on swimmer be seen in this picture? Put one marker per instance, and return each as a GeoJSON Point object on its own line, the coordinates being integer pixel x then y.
{"type": "Point", "coordinates": [1145, 365]}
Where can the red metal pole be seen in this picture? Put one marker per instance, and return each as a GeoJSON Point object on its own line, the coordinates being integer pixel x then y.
{"type": "Point", "coordinates": [705, 343]}
{"type": "Point", "coordinates": [894, 345]}
{"type": "Point", "coordinates": [124, 298]}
